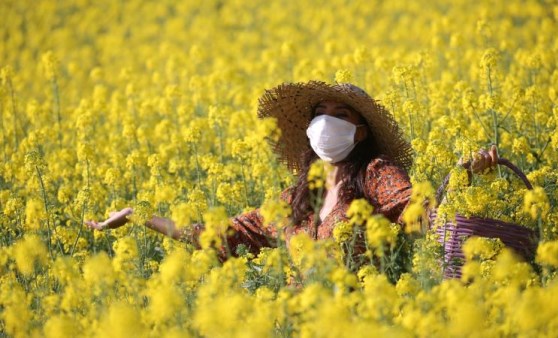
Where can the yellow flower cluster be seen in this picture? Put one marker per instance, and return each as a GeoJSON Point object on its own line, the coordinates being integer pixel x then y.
{"type": "Point", "coordinates": [153, 105]}
{"type": "Point", "coordinates": [318, 174]}
{"type": "Point", "coordinates": [380, 232]}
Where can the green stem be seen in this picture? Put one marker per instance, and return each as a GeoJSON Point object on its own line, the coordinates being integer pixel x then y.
{"type": "Point", "coordinates": [414, 90]}
{"type": "Point", "coordinates": [351, 264]}
{"type": "Point", "coordinates": [45, 202]}
{"type": "Point", "coordinates": [80, 229]}
{"type": "Point", "coordinates": [83, 208]}
{"type": "Point", "coordinates": [382, 259]}
{"type": "Point", "coordinates": [539, 225]}
{"type": "Point", "coordinates": [318, 200]}
{"type": "Point", "coordinates": [480, 120]}
{"type": "Point", "coordinates": [144, 254]}
{"type": "Point", "coordinates": [198, 171]}
{"type": "Point", "coordinates": [406, 90]}
{"type": "Point", "coordinates": [4, 143]}
{"type": "Point", "coordinates": [509, 110]}
{"type": "Point", "coordinates": [280, 246]}
{"type": "Point", "coordinates": [56, 96]}
{"type": "Point", "coordinates": [493, 112]}
{"type": "Point", "coordinates": [411, 125]}
{"type": "Point", "coordinates": [496, 140]}
{"type": "Point", "coordinates": [244, 183]}
{"type": "Point", "coordinates": [537, 126]}
{"type": "Point", "coordinates": [87, 173]}
{"type": "Point", "coordinates": [14, 114]}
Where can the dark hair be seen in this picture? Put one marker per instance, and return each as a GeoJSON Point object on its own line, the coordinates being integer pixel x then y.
{"type": "Point", "coordinates": [352, 169]}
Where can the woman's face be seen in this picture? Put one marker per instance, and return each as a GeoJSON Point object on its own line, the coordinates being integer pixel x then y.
{"type": "Point", "coordinates": [345, 112]}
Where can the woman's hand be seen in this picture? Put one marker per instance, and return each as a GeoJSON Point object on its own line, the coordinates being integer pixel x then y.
{"type": "Point", "coordinates": [484, 160]}
{"type": "Point", "coordinates": [116, 219]}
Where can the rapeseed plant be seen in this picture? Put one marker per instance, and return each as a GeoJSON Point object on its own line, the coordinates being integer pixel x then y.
{"type": "Point", "coordinates": [153, 105]}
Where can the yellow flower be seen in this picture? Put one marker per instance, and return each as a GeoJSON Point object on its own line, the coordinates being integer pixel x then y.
{"type": "Point", "coordinates": [34, 162]}
{"type": "Point", "coordinates": [84, 151]}
{"type": "Point", "coordinates": [143, 211]}
{"type": "Point", "coordinates": [182, 214]}
{"type": "Point", "coordinates": [28, 253]}
{"type": "Point", "coordinates": [120, 320]}
{"type": "Point", "coordinates": [379, 231]}
{"type": "Point", "coordinates": [343, 232]}
{"type": "Point", "coordinates": [458, 179]}
{"type": "Point", "coordinates": [173, 268]}
{"type": "Point", "coordinates": [165, 303]}
{"type": "Point", "coordinates": [547, 253]}
{"type": "Point", "coordinates": [300, 248]}
{"type": "Point", "coordinates": [510, 268]}
{"type": "Point", "coordinates": [489, 58]}
{"type": "Point", "coordinates": [415, 212]}
{"type": "Point", "coordinates": [481, 247]}
{"type": "Point", "coordinates": [536, 203]}
{"type": "Point", "coordinates": [407, 285]}
{"type": "Point", "coordinates": [98, 271]}
{"type": "Point", "coordinates": [276, 213]}
{"type": "Point", "coordinates": [343, 279]}
{"type": "Point", "coordinates": [318, 173]}
{"type": "Point", "coordinates": [34, 213]}
{"type": "Point", "coordinates": [404, 74]}
{"type": "Point", "coordinates": [50, 64]}
{"type": "Point", "coordinates": [126, 251]}
{"type": "Point", "coordinates": [411, 216]}
{"type": "Point", "coordinates": [61, 326]}
{"type": "Point", "coordinates": [359, 211]}
{"type": "Point", "coordinates": [343, 76]}
{"type": "Point", "coordinates": [16, 314]}
{"type": "Point", "coordinates": [6, 75]}
{"type": "Point", "coordinates": [111, 176]}
{"type": "Point", "coordinates": [365, 272]}
{"type": "Point", "coordinates": [216, 224]}
{"type": "Point", "coordinates": [197, 199]}
{"type": "Point", "coordinates": [520, 146]}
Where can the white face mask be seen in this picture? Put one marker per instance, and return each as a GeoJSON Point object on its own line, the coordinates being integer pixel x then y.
{"type": "Point", "coordinates": [331, 138]}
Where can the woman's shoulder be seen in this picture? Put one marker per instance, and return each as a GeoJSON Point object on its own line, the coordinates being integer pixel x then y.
{"type": "Point", "coordinates": [383, 165]}
{"type": "Point", "coordinates": [385, 180]}
{"type": "Point", "coordinates": [382, 160]}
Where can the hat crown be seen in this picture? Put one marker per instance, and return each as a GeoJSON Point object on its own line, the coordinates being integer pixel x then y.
{"type": "Point", "coordinates": [351, 88]}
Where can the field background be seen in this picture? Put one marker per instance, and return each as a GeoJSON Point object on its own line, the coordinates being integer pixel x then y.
{"type": "Point", "coordinates": [108, 104]}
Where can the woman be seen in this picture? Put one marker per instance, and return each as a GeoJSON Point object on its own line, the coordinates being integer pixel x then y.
{"type": "Point", "coordinates": [342, 125]}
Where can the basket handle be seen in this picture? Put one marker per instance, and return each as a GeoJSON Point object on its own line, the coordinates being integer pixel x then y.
{"type": "Point", "coordinates": [467, 165]}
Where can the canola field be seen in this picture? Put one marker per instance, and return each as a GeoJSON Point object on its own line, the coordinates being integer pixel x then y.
{"type": "Point", "coordinates": [153, 104]}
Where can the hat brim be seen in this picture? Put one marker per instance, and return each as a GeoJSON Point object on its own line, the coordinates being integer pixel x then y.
{"type": "Point", "coordinates": [292, 105]}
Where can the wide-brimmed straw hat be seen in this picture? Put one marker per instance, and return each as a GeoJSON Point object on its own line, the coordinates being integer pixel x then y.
{"type": "Point", "coordinates": [292, 104]}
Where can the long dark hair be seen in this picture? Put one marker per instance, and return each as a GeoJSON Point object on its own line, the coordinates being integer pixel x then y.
{"type": "Point", "coordinates": [352, 169]}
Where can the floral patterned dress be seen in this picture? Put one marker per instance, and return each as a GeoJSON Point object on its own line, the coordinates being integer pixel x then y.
{"type": "Point", "coordinates": [388, 189]}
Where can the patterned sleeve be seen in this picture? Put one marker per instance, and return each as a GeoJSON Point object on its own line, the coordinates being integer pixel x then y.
{"type": "Point", "coordinates": [388, 188]}
{"type": "Point", "coordinates": [247, 229]}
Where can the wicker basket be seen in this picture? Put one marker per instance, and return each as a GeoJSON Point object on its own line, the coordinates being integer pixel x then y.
{"type": "Point", "coordinates": [453, 234]}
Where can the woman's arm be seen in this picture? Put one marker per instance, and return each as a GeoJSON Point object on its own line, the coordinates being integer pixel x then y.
{"type": "Point", "coordinates": [389, 188]}
{"type": "Point", "coordinates": [120, 218]}
{"type": "Point", "coordinates": [247, 229]}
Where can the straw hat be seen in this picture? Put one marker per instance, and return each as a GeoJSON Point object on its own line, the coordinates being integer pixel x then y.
{"type": "Point", "coordinates": [292, 103]}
